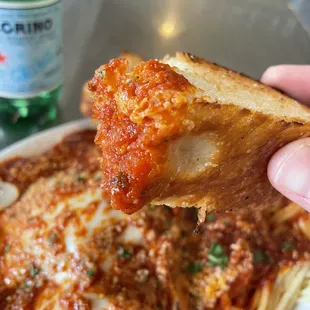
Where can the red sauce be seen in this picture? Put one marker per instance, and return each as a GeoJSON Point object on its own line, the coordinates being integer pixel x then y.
{"type": "Point", "coordinates": [76, 149]}
{"type": "Point", "coordinates": [222, 266]}
{"type": "Point", "coordinates": [132, 152]}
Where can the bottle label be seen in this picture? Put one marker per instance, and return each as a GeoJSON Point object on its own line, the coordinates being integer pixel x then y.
{"type": "Point", "coordinates": [30, 48]}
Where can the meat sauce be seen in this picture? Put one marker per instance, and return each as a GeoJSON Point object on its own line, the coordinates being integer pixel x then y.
{"type": "Point", "coordinates": [74, 150]}
{"type": "Point", "coordinates": [154, 259]}
{"type": "Point", "coordinates": [128, 162]}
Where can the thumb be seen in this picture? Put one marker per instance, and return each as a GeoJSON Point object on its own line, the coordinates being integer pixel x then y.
{"type": "Point", "coordinates": [289, 172]}
{"type": "Point", "coordinates": [291, 79]}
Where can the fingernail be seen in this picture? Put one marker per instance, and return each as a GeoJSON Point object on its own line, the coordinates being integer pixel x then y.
{"type": "Point", "coordinates": [294, 173]}
{"type": "Point", "coordinates": [270, 75]}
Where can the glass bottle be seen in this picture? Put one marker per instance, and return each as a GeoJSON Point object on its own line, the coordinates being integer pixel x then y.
{"type": "Point", "coordinates": [31, 66]}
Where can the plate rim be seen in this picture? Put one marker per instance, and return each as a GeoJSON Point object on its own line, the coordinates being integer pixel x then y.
{"type": "Point", "coordinates": [46, 139]}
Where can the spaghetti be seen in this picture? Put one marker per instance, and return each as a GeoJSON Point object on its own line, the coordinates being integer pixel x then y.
{"type": "Point", "coordinates": [63, 247]}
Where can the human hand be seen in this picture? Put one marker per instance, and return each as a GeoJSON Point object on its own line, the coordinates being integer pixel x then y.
{"type": "Point", "coordinates": [289, 168]}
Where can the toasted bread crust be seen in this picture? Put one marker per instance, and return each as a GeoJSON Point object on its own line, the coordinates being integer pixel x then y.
{"type": "Point", "coordinates": [162, 104]}
{"type": "Point", "coordinates": [234, 82]}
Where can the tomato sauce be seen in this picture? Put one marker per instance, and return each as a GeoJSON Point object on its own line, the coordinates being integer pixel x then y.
{"type": "Point", "coordinates": [132, 147]}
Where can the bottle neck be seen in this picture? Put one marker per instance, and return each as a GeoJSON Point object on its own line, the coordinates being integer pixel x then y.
{"type": "Point", "coordinates": [26, 4]}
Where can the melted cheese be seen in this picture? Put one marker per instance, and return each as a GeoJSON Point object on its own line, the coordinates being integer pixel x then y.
{"type": "Point", "coordinates": [63, 247]}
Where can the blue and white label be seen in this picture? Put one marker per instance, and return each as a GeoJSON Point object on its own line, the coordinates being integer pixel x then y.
{"type": "Point", "coordinates": [31, 59]}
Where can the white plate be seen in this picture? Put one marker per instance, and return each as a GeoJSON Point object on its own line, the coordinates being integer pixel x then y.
{"type": "Point", "coordinates": [44, 140]}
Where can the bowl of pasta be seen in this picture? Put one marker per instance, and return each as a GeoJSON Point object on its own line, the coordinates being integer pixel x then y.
{"type": "Point", "coordinates": [63, 246]}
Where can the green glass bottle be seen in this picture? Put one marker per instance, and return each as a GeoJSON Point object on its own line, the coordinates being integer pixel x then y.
{"type": "Point", "coordinates": [31, 66]}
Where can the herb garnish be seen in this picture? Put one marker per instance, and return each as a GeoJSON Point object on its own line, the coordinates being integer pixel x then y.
{"type": "Point", "coordinates": [260, 257]}
{"type": "Point", "coordinates": [31, 219]}
{"type": "Point", "coordinates": [80, 178]}
{"type": "Point", "coordinates": [102, 73]}
{"type": "Point", "coordinates": [34, 271]}
{"type": "Point", "coordinates": [124, 253]}
{"type": "Point", "coordinates": [90, 272]}
{"type": "Point", "coordinates": [217, 256]}
{"type": "Point", "coordinates": [210, 217]}
{"type": "Point", "coordinates": [194, 267]}
{"type": "Point", "coordinates": [51, 239]}
{"type": "Point", "coordinates": [287, 245]}
{"type": "Point", "coordinates": [25, 287]}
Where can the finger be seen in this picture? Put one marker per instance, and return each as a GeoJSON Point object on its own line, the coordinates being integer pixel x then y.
{"type": "Point", "coordinates": [294, 80]}
{"type": "Point", "coordinates": [289, 172]}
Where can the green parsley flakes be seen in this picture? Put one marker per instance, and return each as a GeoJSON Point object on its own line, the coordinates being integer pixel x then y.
{"type": "Point", "coordinates": [260, 257]}
{"type": "Point", "coordinates": [51, 239]}
{"type": "Point", "coordinates": [217, 256]}
{"type": "Point", "coordinates": [210, 217]}
{"type": "Point", "coordinates": [80, 178]}
{"type": "Point", "coordinates": [25, 287]}
{"type": "Point", "coordinates": [7, 249]}
{"type": "Point", "coordinates": [124, 253]}
{"type": "Point", "coordinates": [34, 271]}
{"type": "Point", "coordinates": [287, 246]}
{"type": "Point", "coordinates": [102, 73]}
{"type": "Point", "coordinates": [194, 267]}
{"type": "Point", "coordinates": [90, 272]}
